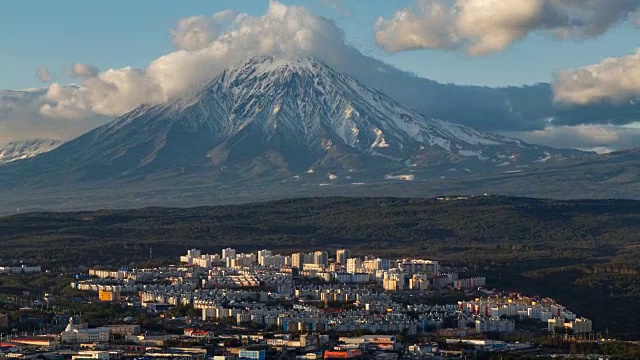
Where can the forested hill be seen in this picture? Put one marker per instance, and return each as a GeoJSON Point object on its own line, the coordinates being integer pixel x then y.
{"type": "Point", "coordinates": [428, 227]}
{"type": "Point", "coordinates": [585, 254]}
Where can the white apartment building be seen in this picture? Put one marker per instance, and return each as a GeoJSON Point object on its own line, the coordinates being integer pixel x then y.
{"type": "Point", "coordinates": [577, 326]}
{"type": "Point", "coordinates": [495, 325]}
{"type": "Point", "coordinates": [342, 255]}
{"type": "Point", "coordinates": [228, 253]}
{"type": "Point", "coordinates": [354, 265]}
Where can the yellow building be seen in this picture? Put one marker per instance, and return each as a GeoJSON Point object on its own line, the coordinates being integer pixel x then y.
{"type": "Point", "coordinates": [108, 295]}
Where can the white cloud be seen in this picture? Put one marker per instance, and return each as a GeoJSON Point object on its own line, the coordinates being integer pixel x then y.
{"type": "Point", "coordinates": [197, 32]}
{"type": "Point", "coordinates": [482, 27]}
{"type": "Point", "coordinates": [203, 51]}
{"type": "Point", "coordinates": [83, 71]}
{"type": "Point", "coordinates": [43, 74]}
{"type": "Point", "coordinates": [21, 119]}
{"type": "Point", "coordinates": [427, 28]}
{"type": "Point", "coordinates": [614, 80]}
{"type": "Point", "coordinates": [599, 138]}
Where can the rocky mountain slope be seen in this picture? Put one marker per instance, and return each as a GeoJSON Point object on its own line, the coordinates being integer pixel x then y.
{"type": "Point", "coordinates": [26, 149]}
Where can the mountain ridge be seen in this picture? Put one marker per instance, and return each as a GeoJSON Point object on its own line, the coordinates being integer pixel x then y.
{"type": "Point", "coordinates": [270, 128]}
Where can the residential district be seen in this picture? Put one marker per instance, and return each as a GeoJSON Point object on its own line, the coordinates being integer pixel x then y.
{"type": "Point", "coordinates": [316, 305]}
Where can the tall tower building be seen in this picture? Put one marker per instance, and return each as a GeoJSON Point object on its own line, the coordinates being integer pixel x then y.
{"type": "Point", "coordinates": [342, 255]}
{"type": "Point", "coordinates": [297, 260]}
{"type": "Point", "coordinates": [228, 253]}
{"type": "Point", "coordinates": [354, 265]}
{"type": "Point", "coordinates": [321, 258]}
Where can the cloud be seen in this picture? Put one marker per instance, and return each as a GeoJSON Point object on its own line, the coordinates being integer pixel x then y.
{"type": "Point", "coordinates": [426, 28]}
{"type": "Point", "coordinates": [112, 92]}
{"type": "Point", "coordinates": [20, 118]}
{"type": "Point", "coordinates": [483, 27]}
{"type": "Point", "coordinates": [197, 32]}
{"type": "Point", "coordinates": [205, 46]}
{"type": "Point", "coordinates": [599, 138]}
{"type": "Point", "coordinates": [83, 71]}
{"type": "Point", "coordinates": [43, 75]}
{"type": "Point", "coordinates": [615, 80]}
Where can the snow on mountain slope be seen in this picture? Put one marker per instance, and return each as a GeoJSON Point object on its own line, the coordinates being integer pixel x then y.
{"type": "Point", "coordinates": [275, 118]}
{"type": "Point", "coordinates": [26, 149]}
{"type": "Point", "coordinates": [309, 101]}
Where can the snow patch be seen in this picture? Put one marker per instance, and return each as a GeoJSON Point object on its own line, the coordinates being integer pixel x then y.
{"type": "Point", "coordinates": [386, 156]}
{"type": "Point", "coordinates": [543, 160]}
{"type": "Point", "coordinates": [271, 64]}
{"type": "Point", "coordinates": [438, 141]}
{"type": "Point", "coordinates": [404, 177]}
{"type": "Point", "coordinates": [379, 142]}
{"type": "Point", "coordinates": [469, 153]}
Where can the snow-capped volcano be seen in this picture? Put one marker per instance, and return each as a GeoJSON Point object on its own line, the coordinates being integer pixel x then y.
{"type": "Point", "coordinates": [26, 149]}
{"type": "Point", "coordinates": [280, 118]}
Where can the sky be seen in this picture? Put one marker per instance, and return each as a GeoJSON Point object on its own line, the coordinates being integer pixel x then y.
{"type": "Point", "coordinates": [123, 53]}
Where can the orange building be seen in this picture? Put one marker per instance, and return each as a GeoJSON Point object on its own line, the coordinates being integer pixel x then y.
{"type": "Point", "coordinates": [342, 354]}
{"type": "Point", "coordinates": [108, 295]}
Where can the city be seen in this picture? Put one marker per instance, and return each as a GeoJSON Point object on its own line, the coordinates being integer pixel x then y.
{"type": "Point", "coordinates": [301, 305]}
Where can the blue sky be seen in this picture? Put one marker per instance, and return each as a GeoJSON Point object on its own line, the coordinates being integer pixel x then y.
{"type": "Point", "coordinates": [121, 33]}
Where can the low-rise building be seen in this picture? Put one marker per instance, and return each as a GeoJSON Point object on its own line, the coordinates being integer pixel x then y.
{"type": "Point", "coordinates": [577, 326]}
{"type": "Point", "coordinates": [108, 295]}
{"type": "Point", "coordinates": [91, 355]}
{"type": "Point", "coordinates": [252, 354]}
{"type": "Point", "coordinates": [495, 325]}
{"type": "Point", "coordinates": [23, 269]}
{"type": "Point", "coordinates": [71, 335]}
{"type": "Point", "coordinates": [124, 329]}
{"type": "Point", "coordinates": [37, 341]}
